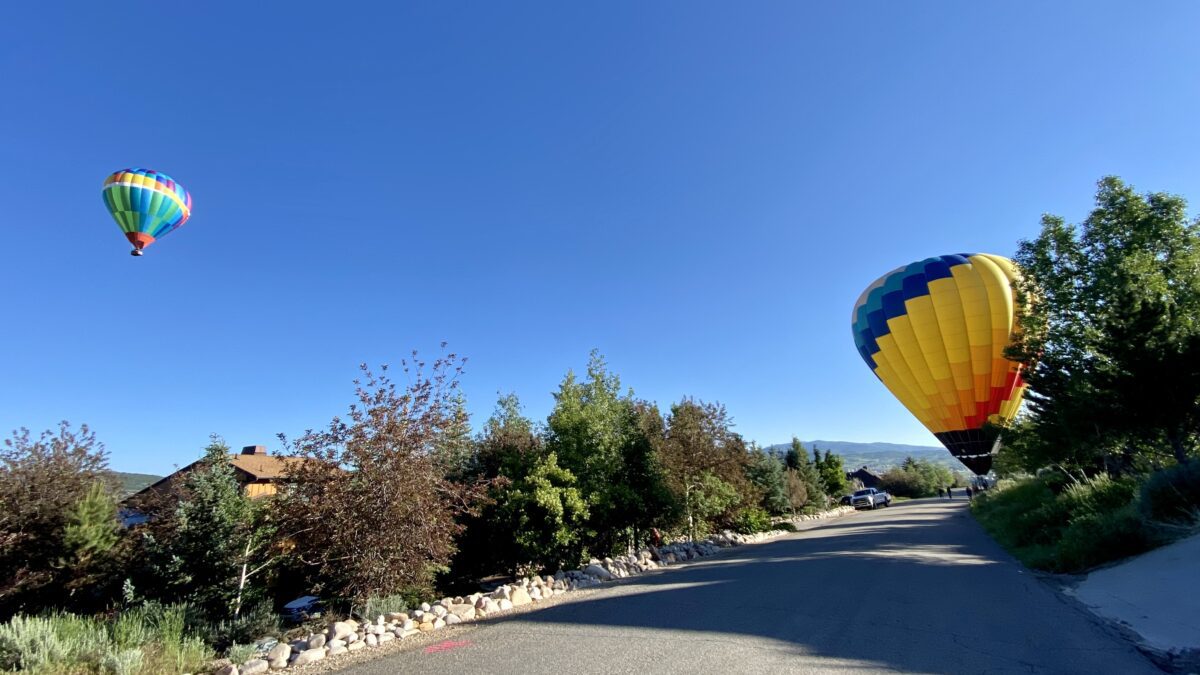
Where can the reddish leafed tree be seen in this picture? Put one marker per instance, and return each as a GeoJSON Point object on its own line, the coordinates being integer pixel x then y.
{"type": "Point", "coordinates": [369, 510]}
{"type": "Point", "coordinates": [43, 481]}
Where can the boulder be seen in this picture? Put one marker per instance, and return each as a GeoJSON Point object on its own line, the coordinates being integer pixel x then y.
{"type": "Point", "coordinates": [309, 656]}
{"type": "Point", "coordinates": [598, 572]}
{"type": "Point", "coordinates": [279, 651]}
{"type": "Point", "coordinates": [355, 646]}
{"type": "Point", "coordinates": [386, 637]}
{"type": "Point", "coordinates": [424, 606]}
{"type": "Point", "coordinates": [397, 617]}
{"type": "Point", "coordinates": [505, 605]}
{"type": "Point", "coordinates": [317, 641]}
{"type": "Point", "coordinates": [439, 611]}
{"type": "Point", "coordinates": [491, 606]}
{"type": "Point", "coordinates": [501, 593]}
{"type": "Point", "coordinates": [372, 639]}
{"type": "Point", "coordinates": [535, 593]}
{"type": "Point", "coordinates": [407, 625]}
{"type": "Point", "coordinates": [352, 638]}
{"type": "Point", "coordinates": [452, 619]}
{"type": "Point", "coordinates": [464, 611]}
{"type": "Point", "coordinates": [278, 664]}
{"type": "Point", "coordinates": [340, 649]}
{"type": "Point", "coordinates": [227, 669]}
{"type": "Point", "coordinates": [338, 630]}
{"type": "Point", "coordinates": [440, 623]}
{"type": "Point", "coordinates": [520, 597]}
{"type": "Point", "coordinates": [332, 644]}
{"type": "Point", "coordinates": [255, 667]}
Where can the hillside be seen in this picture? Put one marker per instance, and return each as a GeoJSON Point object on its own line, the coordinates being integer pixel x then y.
{"type": "Point", "coordinates": [132, 482]}
{"type": "Point", "coordinates": [879, 457]}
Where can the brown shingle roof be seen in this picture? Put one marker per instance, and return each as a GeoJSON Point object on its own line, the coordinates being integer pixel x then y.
{"type": "Point", "coordinates": [263, 467]}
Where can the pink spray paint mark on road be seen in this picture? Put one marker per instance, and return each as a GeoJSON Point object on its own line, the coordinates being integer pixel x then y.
{"type": "Point", "coordinates": [446, 646]}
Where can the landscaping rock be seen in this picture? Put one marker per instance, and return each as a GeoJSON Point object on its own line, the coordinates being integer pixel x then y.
{"type": "Point", "coordinates": [490, 606]}
{"type": "Point", "coordinates": [452, 619]}
{"type": "Point", "coordinates": [309, 656]}
{"type": "Point", "coordinates": [278, 664]}
{"type": "Point", "coordinates": [279, 651]}
{"type": "Point", "coordinates": [316, 642]}
{"type": "Point", "coordinates": [505, 605]}
{"type": "Point", "coordinates": [339, 630]}
{"type": "Point", "coordinates": [386, 637]}
{"type": "Point", "coordinates": [340, 649]}
{"type": "Point", "coordinates": [520, 597]}
{"type": "Point", "coordinates": [464, 611]}
{"type": "Point", "coordinates": [372, 640]}
{"type": "Point", "coordinates": [228, 669]}
{"type": "Point", "coordinates": [355, 646]}
{"type": "Point", "coordinates": [598, 572]}
{"type": "Point", "coordinates": [334, 644]}
{"type": "Point", "coordinates": [397, 616]}
{"type": "Point", "coordinates": [255, 667]}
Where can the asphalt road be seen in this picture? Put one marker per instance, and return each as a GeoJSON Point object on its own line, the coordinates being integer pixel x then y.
{"type": "Point", "coordinates": [918, 587]}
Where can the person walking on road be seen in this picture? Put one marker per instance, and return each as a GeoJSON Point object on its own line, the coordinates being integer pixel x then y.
{"type": "Point", "coordinates": [941, 492]}
{"type": "Point", "coordinates": [970, 495]}
{"type": "Point", "coordinates": [949, 492]}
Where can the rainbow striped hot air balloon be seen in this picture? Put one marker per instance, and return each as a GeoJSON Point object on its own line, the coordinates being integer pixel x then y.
{"type": "Point", "coordinates": [147, 205]}
{"type": "Point", "coordinates": [934, 332]}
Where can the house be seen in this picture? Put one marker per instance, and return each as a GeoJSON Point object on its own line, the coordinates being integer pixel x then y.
{"type": "Point", "coordinates": [258, 472]}
{"type": "Point", "coordinates": [868, 479]}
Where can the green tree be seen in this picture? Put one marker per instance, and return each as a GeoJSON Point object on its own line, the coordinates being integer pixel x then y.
{"type": "Point", "coordinates": [808, 473]}
{"type": "Point", "coordinates": [545, 515]}
{"type": "Point", "coordinates": [1111, 338]}
{"type": "Point", "coordinates": [47, 519]}
{"type": "Point", "coordinates": [213, 543]}
{"type": "Point", "coordinates": [833, 474]}
{"type": "Point", "coordinates": [703, 456]}
{"type": "Point", "coordinates": [91, 534]}
{"type": "Point", "coordinates": [508, 450]}
{"type": "Point", "coordinates": [766, 473]}
{"type": "Point", "coordinates": [600, 435]}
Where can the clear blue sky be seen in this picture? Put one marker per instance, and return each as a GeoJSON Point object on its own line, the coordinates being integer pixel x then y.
{"type": "Point", "coordinates": [699, 190]}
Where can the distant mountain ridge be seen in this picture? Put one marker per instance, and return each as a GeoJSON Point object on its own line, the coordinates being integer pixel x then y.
{"type": "Point", "coordinates": [877, 457]}
{"type": "Point", "coordinates": [132, 482]}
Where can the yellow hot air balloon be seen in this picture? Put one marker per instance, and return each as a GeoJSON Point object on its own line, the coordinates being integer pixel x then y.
{"type": "Point", "coordinates": [934, 332]}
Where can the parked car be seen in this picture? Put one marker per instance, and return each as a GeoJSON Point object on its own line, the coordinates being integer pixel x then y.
{"type": "Point", "coordinates": [870, 498]}
{"type": "Point", "coordinates": [845, 500]}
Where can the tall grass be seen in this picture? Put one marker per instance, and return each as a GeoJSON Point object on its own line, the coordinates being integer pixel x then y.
{"type": "Point", "coordinates": [1068, 527]}
{"type": "Point", "coordinates": [146, 639]}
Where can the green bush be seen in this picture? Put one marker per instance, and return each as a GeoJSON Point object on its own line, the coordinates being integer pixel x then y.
{"type": "Point", "coordinates": [1096, 538]}
{"type": "Point", "coordinates": [753, 520]}
{"type": "Point", "coordinates": [784, 526]}
{"type": "Point", "coordinates": [1172, 496]}
{"type": "Point", "coordinates": [259, 620]}
{"type": "Point", "coordinates": [377, 605]}
{"type": "Point", "coordinates": [147, 639]}
{"type": "Point", "coordinates": [1066, 527]}
{"type": "Point", "coordinates": [241, 653]}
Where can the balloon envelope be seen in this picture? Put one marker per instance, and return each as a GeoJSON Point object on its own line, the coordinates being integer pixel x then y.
{"type": "Point", "coordinates": [147, 205]}
{"type": "Point", "coordinates": [934, 332]}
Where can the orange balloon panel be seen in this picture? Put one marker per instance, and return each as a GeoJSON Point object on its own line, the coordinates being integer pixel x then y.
{"type": "Point", "coordinates": [934, 332]}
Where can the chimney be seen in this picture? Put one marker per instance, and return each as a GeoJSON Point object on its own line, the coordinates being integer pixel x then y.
{"type": "Point", "coordinates": [254, 450]}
